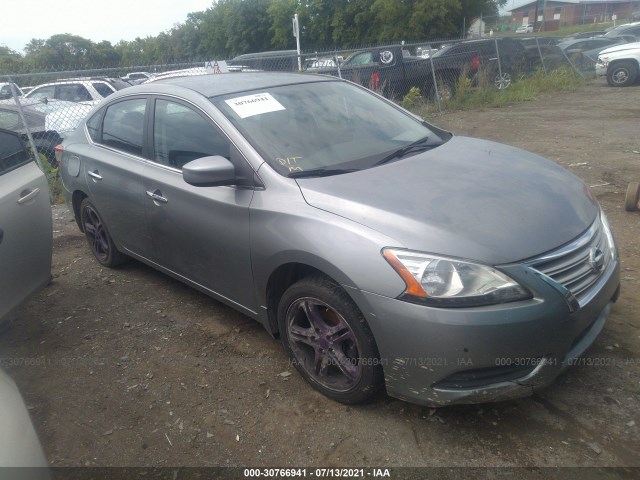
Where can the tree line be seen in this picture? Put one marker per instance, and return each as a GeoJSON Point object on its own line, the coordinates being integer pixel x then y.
{"type": "Point", "coordinates": [232, 27]}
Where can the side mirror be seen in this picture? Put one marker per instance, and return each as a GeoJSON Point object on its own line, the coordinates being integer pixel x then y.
{"type": "Point", "coordinates": [212, 171]}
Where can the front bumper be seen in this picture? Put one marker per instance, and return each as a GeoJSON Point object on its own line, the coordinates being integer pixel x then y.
{"type": "Point", "coordinates": [601, 69]}
{"type": "Point", "coordinates": [437, 356]}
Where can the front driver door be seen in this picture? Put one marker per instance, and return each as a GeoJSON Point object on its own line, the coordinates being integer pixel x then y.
{"type": "Point", "coordinates": [199, 233]}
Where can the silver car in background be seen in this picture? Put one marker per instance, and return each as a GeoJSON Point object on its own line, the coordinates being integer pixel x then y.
{"type": "Point", "coordinates": [384, 251]}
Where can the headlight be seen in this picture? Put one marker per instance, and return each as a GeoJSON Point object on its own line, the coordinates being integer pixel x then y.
{"type": "Point", "coordinates": [447, 282]}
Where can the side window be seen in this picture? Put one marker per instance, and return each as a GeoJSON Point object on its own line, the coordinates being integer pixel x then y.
{"type": "Point", "coordinates": [103, 89]}
{"type": "Point", "coordinates": [12, 153]}
{"type": "Point", "coordinates": [74, 92]}
{"type": "Point", "coordinates": [180, 135]}
{"type": "Point", "coordinates": [364, 58]}
{"type": "Point", "coordinates": [43, 92]}
{"type": "Point", "coordinates": [123, 126]}
{"type": "Point", "coordinates": [5, 91]}
{"type": "Point", "coordinates": [9, 119]}
{"type": "Point", "coordinates": [93, 126]}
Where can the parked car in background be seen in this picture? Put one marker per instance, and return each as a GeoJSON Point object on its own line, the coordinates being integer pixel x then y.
{"type": "Point", "coordinates": [582, 35]}
{"type": "Point", "coordinates": [620, 64]}
{"type": "Point", "coordinates": [6, 90]}
{"type": "Point", "coordinates": [135, 78]}
{"type": "Point", "coordinates": [584, 53]}
{"type": "Point", "coordinates": [86, 90]}
{"type": "Point", "coordinates": [389, 71]}
{"type": "Point", "coordinates": [47, 122]}
{"type": "Point", "coordinates": [382, 250]}
{"type": "Point", "coordinates": [525, 28]}
{"type": "Point", "coordinates": [626, 29]}
{"type": "Point", "coordinates": [311, 64]}
{"type": "Point", "coordinates": [280, 60]}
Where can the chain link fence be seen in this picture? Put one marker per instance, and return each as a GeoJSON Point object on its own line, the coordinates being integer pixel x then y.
{"type": "Point", "coordinates": [45, 106]}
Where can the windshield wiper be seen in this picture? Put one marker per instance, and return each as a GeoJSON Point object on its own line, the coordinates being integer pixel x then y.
{"type": "Point", "coordinates": [321, 172]}
{"type": "Point", "coordinates": [416, 146]}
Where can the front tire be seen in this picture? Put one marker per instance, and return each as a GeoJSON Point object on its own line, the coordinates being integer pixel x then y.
{"type": "Point", "coordinates": [329, 341]}
{"type": "Point", "coordinates": [622, 74]}
{"type": "Point", "coordinates": [100, 241]}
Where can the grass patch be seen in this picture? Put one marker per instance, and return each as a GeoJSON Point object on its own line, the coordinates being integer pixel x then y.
{"type": "Point", "coordinates": [53, 178]}
{"type": "Point", "coordinates": [485, 94]}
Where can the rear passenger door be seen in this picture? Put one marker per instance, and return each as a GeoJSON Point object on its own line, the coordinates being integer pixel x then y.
{"type": "Point", "coordinates": [199, 233]}
{"type": "Point", "coordinates": [113, 171]}
{"type": "Point", "coordinates": [25, 225]}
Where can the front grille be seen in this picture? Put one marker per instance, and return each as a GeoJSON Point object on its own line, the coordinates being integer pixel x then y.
{"type": "Point", "coordinates": [579, 265]}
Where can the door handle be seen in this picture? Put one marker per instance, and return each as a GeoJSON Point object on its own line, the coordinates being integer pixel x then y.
{"type": "Point", "coordinates": [27, 195]}
{"type": "Point", "coordinates": [157, 196]}
{"type": "Point", "coordinates": [95, 175]}
{"type": "Point", "coordinates": [1, 234]}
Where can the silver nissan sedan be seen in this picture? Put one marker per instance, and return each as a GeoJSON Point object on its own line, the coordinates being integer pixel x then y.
{"type": "Point", "coordinates": [383, 251]}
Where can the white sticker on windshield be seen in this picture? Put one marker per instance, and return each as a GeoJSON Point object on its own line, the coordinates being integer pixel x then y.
{"type": "Point", "coordinates": [257, 104]}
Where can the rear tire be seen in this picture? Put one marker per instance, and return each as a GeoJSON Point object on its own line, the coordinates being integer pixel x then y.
{"type": "Point", "coordinates": [100, 241]}
{"type": "Point", "coordinates": [632, 197]}
{"type": "Point", "coordinates": [622, 74]}
{"type": "Point", "coordinates": [503, 81]}
{"type": "Point", "coordinates": [328, 340]}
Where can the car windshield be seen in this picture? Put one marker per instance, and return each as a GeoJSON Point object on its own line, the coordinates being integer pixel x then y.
{"type": "Point", "coordinates": [323, 127]}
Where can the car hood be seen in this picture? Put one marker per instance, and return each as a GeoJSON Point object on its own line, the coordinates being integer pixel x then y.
{"type": "Point", "coordinates": [621, 48]}
{"type": "Point", "coordinates": [468, 198]}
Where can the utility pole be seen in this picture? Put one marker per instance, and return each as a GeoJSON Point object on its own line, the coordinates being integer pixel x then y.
{"type": "Point", "coordinates": [296, 33]}
{"type": "Point", "coordinates": [544, 14]}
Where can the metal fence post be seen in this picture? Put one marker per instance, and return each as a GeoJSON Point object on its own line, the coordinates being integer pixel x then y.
{"type": "Point", "coordinates": [500, 79]}
{"type": "Point", "coordinates": [541, 57]}
{"type": "Point", "coordinates": [435, 81]}
{"type": "Point", "coordinates": [16, 99]}
{"type": "Point", "coordinates": [571, 63]}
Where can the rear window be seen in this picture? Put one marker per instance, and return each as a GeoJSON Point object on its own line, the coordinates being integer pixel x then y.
{"type": "Point", "coordinates": [12, 153]}
{"type": "Point", "coordinates": [123, 126]}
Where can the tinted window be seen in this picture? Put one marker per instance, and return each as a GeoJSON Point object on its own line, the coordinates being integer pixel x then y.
{"type": "Point", "coordinates": [180, 135]}
{"type": "Point", "coordinates": [12, 153]}
{"type": "Point", "coordinates": [364, 58]}
{"type": "Point", "coordinates": [103, 89]}
{"type": "Point", "coordinates": [5, 91]}
{"type": "Point", "coordinates": [9, 119]}
{"type": "Point", "coordinates": [74, 93]}
{"type": "Point", "coordinates": [123, 126]}
{"type": "Point", "coordinates": [93, 126]}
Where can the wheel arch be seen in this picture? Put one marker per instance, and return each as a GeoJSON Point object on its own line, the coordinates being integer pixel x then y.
{"type": "Point", "coordinates": [280, 280]}
{"type": "Point", "coordinates": [76, 200]}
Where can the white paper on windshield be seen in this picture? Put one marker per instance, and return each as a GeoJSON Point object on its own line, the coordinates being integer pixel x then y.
{"type": "Point", "coordinates": [257, 104]}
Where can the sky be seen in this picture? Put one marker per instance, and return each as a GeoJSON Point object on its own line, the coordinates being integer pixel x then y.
{"type": "Point", "coordinates": [111, 20]}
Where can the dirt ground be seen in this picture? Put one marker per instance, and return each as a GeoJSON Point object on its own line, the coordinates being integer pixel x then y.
{"type": "Point", "coordinates": [131, 368]}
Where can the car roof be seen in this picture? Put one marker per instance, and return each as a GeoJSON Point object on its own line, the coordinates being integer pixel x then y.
{"type": "Point", "coordinates": [222, 84]}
